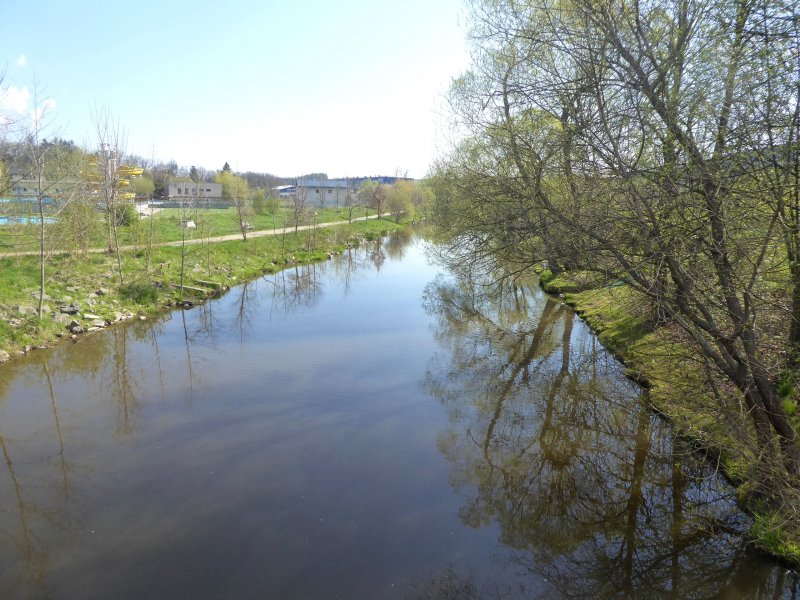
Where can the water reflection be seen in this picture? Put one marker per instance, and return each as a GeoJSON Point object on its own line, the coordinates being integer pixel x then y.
{"type": "Point", "coordinates": [550, 441]}
{"type": "Point", "coordinates": [107, 445]}
{"type": "Point", "coordinates": [277, 443]}
{"type": "Point", "coordinates": [300, 287]}
{"type": "Point", "coordinates": [397, 244]}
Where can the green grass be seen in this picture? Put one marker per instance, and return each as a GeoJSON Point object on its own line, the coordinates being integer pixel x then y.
{"type": "Point", "coordinates": [575, 281]}
{"type": "Point", "coordinates": [614, 312]}
{"type": "Point", "coordinates": [16, 276]}
{"type": "Point", "coordinates": [216, 222]}
{"type": "Point", "coordinates": [166, 227]}
{"type": "Point", "coordinates": [770, 534]}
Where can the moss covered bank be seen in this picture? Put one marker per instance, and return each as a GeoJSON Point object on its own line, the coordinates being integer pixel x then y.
{"type": "Point", "coordinates": [663, 360]}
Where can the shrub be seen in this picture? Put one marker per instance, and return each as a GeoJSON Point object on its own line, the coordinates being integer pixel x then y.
{"type": "Point", "coordinates": [127, 215]}
{"type": "Point", "coordinates": [141, 293]}
{"type": "Point", "coordinates": [77, 224]}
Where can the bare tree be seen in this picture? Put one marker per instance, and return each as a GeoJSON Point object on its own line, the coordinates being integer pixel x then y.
{"type": "Point", "coordinates": [188, 208]}
{"type": "Point", "coordinates": [366, 194]}
{"type": "Point", "coordinates": [378, 200]}
{"type": "Point", "coordinates": [350, 204]}
{"type": "Point", "coordinates": [298, 208]}
{"type": "Point", "coordinates": [652, 143]}
{"type": "Point", "coordinates": [111, 140]}
{"type": "Point", "coordinates": [54, 177]}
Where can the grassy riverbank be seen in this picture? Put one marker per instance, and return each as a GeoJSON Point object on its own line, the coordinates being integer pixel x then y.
{"type": "Point", "coordinates": [664, 361]}
{"type": "Point", "coordinates": [151, 280]}
{"type": "Point", "coordinates": [163, 226]}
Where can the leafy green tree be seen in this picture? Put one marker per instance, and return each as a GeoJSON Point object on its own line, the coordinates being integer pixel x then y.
{"type": "Point", "coordinates": [161, 180]}
{"type": "Point", "coordinates": [77, 224]}
{"type": "Point", "coordinates": [144, 186]}
{"type": "Point", "coordinates": [5, 180]}
{"type": "Point", "coordinates": [258, 201]}
{"type": "Point", "coordinates": [399, 199]}
{"type": "Point", "coordinates": [273, 207]}
{"type": "Point", "coordinates": [422, 198]}
{"type": "Point", "coordinates": [235, 189]}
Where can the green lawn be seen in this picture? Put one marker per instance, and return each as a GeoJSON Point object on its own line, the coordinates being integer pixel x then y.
{"type": "Point", "coordinates": [215, 222]}
{"type": "Point", "coordinates": [165, 227]}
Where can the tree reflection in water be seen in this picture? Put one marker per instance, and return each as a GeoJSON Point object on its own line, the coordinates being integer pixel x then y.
{"type": "Point", "coordinates": [551, 441]}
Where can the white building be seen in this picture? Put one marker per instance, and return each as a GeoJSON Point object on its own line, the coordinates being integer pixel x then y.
{"type": "Point", "coordinates": [325, 193]}
{"type": "Point", "coordinates": [28, 189]}
{"type": "Point", "coordinates": [285, 191]}
{"type": "Point", "coordinates": [189, 190]}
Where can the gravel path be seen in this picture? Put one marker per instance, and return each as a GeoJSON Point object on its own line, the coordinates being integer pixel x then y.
{"type": "Point", "coordinates": [218, 238]}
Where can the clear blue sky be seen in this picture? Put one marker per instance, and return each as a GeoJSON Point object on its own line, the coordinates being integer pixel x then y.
{"type": "Point", "coordinates": [353, 87]}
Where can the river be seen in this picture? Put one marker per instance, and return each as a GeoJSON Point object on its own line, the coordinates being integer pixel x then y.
{"type": "Point", "coordinates": [370, 427]}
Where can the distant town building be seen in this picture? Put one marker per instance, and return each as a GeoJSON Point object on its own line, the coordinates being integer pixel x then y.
{"type": "Point", "coordinates": [382, 179]}
{"type": "Point", "coordinates": [24, 187]}
{"type": "Point", "coordinates": [325, 192]}
{"type": "Point", "coordinates": [284, 191]}
{"type": "Point", "coordinates": [189, 190]}
{"type": "Point", "coordinates": [328, 192]}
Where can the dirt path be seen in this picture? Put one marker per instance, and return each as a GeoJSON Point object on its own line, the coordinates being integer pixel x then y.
{"type": "Point", "coordinates": [218, 238]}
{"type": "Point", "coordinates": [260, 233]}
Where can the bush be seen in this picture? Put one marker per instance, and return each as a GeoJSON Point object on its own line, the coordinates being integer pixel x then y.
{"type": "Point", "coordinates": [127, 215]}
{"type": "Point", "coordinates": [77, 224]}
{"type": "Point", "coordinates": [259, 203]}
{"type": "Point", "coordinates": [141, 293]}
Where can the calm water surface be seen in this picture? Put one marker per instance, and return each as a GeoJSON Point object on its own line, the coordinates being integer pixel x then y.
{"type": "Point", "coordinates": [363, 428]}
